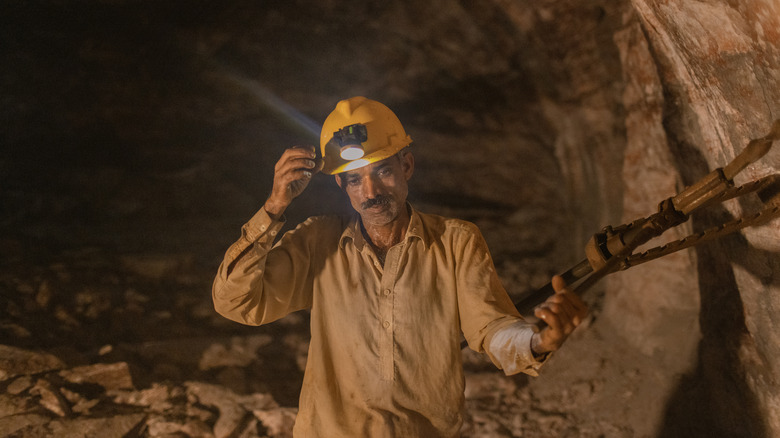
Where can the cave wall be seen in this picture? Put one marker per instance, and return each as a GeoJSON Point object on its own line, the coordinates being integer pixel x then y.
{"type": "Point", "coordinates": [679, 90]}
{"type": "Point", "coordinates": [700, 80]}
{"type": "Point", "coordinates": [719, 65]}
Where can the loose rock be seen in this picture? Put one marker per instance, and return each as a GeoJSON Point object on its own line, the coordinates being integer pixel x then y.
{"type": "Point", "coordinates": [112, 427]}
{"type": "Point", "coordinates": [278, 422]}
{"type": "Point", "coordinates": [51, 398]}
{"type": "Point", "coordinates": [109, 376]}
{"type": "Point", "coordinates": [16, 361]}
{"type": "Point", "coordinates": [19, 385]}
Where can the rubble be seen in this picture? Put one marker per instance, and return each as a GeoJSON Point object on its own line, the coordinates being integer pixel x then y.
{"type": "Point", "coordinates": [489, 385]}
{"type": "Point", "coordinates": [109, 376]}
{"type": "Point", "coordinates": [232, 407]}
{"type": "Point", "coordinates": [156, 399]}
{"type": "Point", "coordinates": [12, 424]}
{"type": "Point", "coordinates": [16, 361]}
{"type": "Point", "coordinates": [51, 398]}
{"type": "Point", "coordinates": [101, 400]}
{"type": "Point", "coordinates": [12, 405]}
{"type": "Point", "coordinates": [79, 404]}
{"type": "Point", "coordinates": [161, 426]}
{"type": "Point", "coordinates": [115, 426]}
{"type": "Point", "coordinates": [240, 352]}
{"type": "Point", "coordinates": [23, 383]}
{"type": "Point", "coordinates": [278, 421]}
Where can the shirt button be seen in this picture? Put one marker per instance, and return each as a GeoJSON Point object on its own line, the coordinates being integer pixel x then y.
{"type": "Point", "coordinates": [386, 324]}
{"type": "Point", "coordinates": [386, 291]}
{"type": "Point", "coordinates": [273, 233]}
{"type": "Point", "coordinates": [262, 227]}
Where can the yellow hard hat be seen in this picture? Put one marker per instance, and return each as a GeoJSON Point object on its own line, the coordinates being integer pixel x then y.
{"type": "Point", "coordinates": [359, 132]}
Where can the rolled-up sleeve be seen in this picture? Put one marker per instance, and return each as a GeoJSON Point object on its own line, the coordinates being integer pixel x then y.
{"type": "Point", "coordinates": [259, 282]}
{"type": "Point", "coordinates": [510, 349]}
{"type": "Point", "coordinates": [489, 320]}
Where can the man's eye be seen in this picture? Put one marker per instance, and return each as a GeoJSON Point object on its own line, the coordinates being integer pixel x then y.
{"type": "Point", "coordinates": [384, 171]}
{"type": "Point", "coordinates": [352, 181]}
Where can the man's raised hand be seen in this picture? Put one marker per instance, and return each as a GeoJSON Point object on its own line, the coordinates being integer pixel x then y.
{"type": "Point", "coordinates": [292, 175]}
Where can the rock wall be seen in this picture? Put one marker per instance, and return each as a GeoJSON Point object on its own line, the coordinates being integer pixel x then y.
{"type": "Point", "coordinates": [698, 81]}
{"type": "Point", "coordinates": [719, 64]}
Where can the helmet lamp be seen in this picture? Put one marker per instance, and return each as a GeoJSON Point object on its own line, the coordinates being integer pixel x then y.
{"type": "Point", "coordinates": [350, 139]}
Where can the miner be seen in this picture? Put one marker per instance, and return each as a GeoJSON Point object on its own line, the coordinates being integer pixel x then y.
{"type": "Point", "coordinates": [390, 289]}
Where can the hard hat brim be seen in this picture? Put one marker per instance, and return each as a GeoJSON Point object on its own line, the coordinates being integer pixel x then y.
{"type": "Point", "coordinates": [334, 164]}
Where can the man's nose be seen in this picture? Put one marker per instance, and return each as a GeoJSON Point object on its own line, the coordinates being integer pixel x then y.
{"type": "Point", "coordinates": [371, 187]}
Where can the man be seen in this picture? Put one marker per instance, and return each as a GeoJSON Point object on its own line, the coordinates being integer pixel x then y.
{"type": "Point", "coordinates": [390, 289]}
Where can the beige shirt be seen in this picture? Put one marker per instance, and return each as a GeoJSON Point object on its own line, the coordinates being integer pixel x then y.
{"type": "Point", "coordinates": [384, 357]}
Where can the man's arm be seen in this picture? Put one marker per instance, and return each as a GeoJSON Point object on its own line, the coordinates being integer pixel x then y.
{"type": "Point", "coordinates": [491, 322]}
{"type": "Point", "coordinates": [521, 347]}
{"type": "Point", "coordinates": [244, 290]}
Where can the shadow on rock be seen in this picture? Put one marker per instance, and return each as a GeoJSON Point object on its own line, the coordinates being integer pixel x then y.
{"type": "Point", "coordinates": [715, 399]}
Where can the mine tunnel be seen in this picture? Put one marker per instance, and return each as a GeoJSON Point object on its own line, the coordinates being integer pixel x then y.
{"type": "Point", "coordinates": [138, 136]}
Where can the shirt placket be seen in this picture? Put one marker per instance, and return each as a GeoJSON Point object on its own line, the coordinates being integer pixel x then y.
{"type": "Point", "coordinates": [386, 306]}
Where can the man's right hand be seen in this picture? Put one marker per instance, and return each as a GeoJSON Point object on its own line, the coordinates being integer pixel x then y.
{"type": "Point", "coordinates": [562, 313]}
{"type": "Point", "coordinates": [292, 174]}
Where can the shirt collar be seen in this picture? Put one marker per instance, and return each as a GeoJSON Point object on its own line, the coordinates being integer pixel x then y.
{"type": "Point", "coordinates": [352, 231]}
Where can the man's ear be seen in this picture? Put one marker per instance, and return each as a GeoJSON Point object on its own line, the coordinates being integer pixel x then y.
{"type": "Point", "coordinates": [407, 162]}
{"type": "Point", "coordinates": [337, 177]}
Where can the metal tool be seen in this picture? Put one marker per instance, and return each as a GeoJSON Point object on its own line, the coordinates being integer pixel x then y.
{"type": "Point", "coordinates": [612, 249]}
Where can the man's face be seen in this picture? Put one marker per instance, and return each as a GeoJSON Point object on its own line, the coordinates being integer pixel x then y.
{"type": "Point", "coordinates": [378, 191]}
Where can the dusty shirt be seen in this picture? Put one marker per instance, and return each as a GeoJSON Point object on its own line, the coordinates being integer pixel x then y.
{"type": "Point", "coordinates": [384, 357]}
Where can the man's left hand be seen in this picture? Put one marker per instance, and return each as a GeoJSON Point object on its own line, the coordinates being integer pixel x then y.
{"type": "Point", "coordinates": [562, 313]}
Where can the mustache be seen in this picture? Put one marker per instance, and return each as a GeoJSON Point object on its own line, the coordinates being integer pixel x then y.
{"type": "Point", "coordinates": [374, 202]}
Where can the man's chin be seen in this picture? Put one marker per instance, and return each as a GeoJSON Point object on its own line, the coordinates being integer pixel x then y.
{"type": "Point", "coordinates": [378, 215]}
